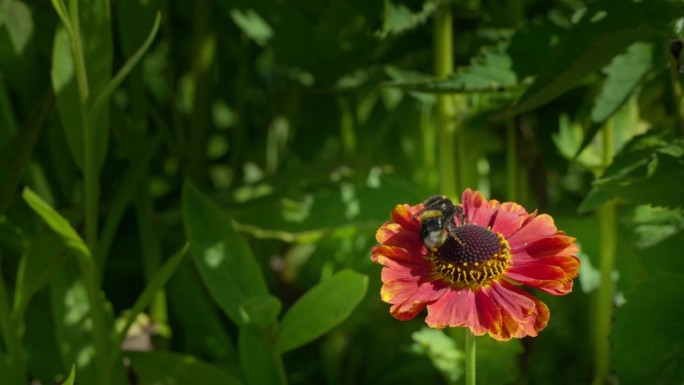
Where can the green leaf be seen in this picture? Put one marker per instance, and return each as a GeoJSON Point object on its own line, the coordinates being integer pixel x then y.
{"type": "Point", "coordinates": [72, 376]}
{"type": "Point", "coordinates": [648, 170]}
{"type": "Point", "coordinates": [56, 222]}
{"type": "Point", "coordinates": [260, 361]}
{"type": "Point", "coordinates": [441, 350]}
{"type": "Point", "coordinates": [653, 225]}
{"type": "Point", "coordinates": [648, 328]}
{"type": "Point", "coordinates": [44, 256]}
{"type": "Point", "coordinates": [16, 17]}
{"type": "Point", "coordinates": [606, 29]}
{"type": "Point", "coordinates": [252, 25]}
{"type": "Point", "coordinates": [198, 318]}
{"type": "Point", "coordinates": [623, 75]}
{"type": "Point", "coordinates": [322, 308]}
{"type": "Point", "coordinates": [223, 259]}
{"type": "Point", "coordinates": [167, 368]}
{"type": "Point", "coordinates": [96, 44]}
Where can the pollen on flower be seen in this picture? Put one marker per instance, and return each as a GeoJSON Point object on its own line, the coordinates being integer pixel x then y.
{"type": "Point", "coordinates": [482, 255]}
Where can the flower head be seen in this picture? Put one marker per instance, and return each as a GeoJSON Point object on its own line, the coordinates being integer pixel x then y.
{"type": "Point", "coordinates": [472, 279]}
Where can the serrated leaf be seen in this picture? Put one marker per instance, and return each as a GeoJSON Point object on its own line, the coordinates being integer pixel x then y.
{"type": "Point", "coordinates": [323, 307]}
{"type": "Point", "coordinates": [623, 75]}
{"type": "Point", "coordinates": [490, 71]}
{"type": "Point", "coordinates": [399, 18]}
{"type": "Point", "coordinates": [154, 368]}
{"type": "Point", "coordinates": [647, 331]}
{"type": "Point", "coordinates": [606, 29]}
{"type": "Point", "coordinates": [56, 222]}
{"type": "Point", "coordinates": [223, 259]}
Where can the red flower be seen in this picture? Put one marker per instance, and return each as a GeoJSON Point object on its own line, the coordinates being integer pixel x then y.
{"type": "Point", "coordinates": [472, 279]}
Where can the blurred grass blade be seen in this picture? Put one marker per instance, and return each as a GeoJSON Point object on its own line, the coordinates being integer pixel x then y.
{"type": "Point", "coordinates": [56, 222]}
{"type": "Point", "coordinates": [146, 297]}
{"type": "Point", "coordinates": [153, 368]}
{"type": "Point", "coordinates": [261, 363]}
{"type": "Point", "coordinates": [72, 376]}
{"type": "Point", "coordinates": [322, 308]}
{"type": "Point", "coordinates": [223, 259]}
{"type": "Point", "coordinates": [103, 97]}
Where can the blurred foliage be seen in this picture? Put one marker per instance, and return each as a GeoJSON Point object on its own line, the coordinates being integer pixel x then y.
{"type": "Point", "coordinates": [275, 138]}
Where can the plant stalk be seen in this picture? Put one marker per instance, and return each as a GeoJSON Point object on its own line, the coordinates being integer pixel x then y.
{"type": "Point", "coordinates": [604, 297]}
{"type": "Point", "coordinates": [470, 354]}
{"type": "Point", "coordinates": [446, 114]}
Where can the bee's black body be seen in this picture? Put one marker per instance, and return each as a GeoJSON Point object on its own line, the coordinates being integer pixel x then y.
{"type": "Point", "coordinates": [437, 220]}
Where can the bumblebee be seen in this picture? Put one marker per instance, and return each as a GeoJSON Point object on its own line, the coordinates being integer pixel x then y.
{"type": "Point", "coordinates": [437, 220]}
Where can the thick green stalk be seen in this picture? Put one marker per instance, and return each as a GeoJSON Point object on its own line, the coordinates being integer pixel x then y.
{"type": "Point", "coordinates": [446, 119]}
{"type": "Point", "coordinates": [604, 297]}
{"type": "Point", "coordinates": [470, 355]}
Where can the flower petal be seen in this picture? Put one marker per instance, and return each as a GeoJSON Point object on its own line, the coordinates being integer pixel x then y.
{"type": "Point", "coordinates": [409, 292]}
{"type": "Point", "coordinates": [392, 234]}
{"type": "Point", "coordinates": [533, 230]}
{"type": "Point", "coordinates": [522, 314]}
{"type": "Point", "coordinates": [557, 244]}
{"type": "Point", "coordinates": [509, 218]}
{"type": "Point", "coordinates": [385, 254]}
{"type": "Point", "coordinates": [552, 274]}
{"type": "Point", "coordinates": [479, 210]}
{"type": "Point", "coordinates": [404, 215]}
{"type": "Point", "coordinates": [457, 307]}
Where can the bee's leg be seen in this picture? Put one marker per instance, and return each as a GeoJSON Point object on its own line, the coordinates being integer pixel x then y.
{"type": "Point", "coordinates": [452, 231]}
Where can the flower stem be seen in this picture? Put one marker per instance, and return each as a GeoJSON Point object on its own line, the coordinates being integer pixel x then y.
{"type": "Point", "coordinates": [444, 66]}
{"type": "Point", "coordinates": [604, 297]}
{"type": "Point", "coordinates": [470, 353]}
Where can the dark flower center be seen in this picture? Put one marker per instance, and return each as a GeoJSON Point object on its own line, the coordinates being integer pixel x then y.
{"type": "Point", "coordinates": [474, 255]}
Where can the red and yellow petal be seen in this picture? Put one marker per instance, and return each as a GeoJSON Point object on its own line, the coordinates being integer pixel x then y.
{"type": "Point", "coordinates": [409, 294]}
{"type": "Point", "coordinates": [533, 230]}
{"type": "Point", "coordinates": [522, 314]}
{"type": "Point", "coordinates": [509, 219]}
{"type": "Point", "coordinates": [553, 274]}
{"type": "Point", "coordinates": [457, 307]}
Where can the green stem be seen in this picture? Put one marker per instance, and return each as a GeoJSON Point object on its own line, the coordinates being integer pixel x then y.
{"type": "Point", "coordinates": [444, 66]}
{"type": "Point", "coordinates": [604, 297]}
{"type": "Point", "coordinates": [205, 50]}
{"type": "Point", "coordinates": [10, 335]}
{"type": "Point", "coordinates": [470, 354]}
{"type": "Point", "coordinates": [511, 161]}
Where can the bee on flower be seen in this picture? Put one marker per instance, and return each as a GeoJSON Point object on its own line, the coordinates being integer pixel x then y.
{"type": "Point", "coordinates": [465, 263]}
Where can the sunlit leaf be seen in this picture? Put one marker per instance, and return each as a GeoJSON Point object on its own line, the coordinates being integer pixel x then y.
{"type": "Point", "coordinates": [224, 260]}
{"type": "Point", "coordinates": [56, 222]}
{"type": "Point", "coordinates": [323, 307]}
{"type": "Point", "coordinates": [16, 17]}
